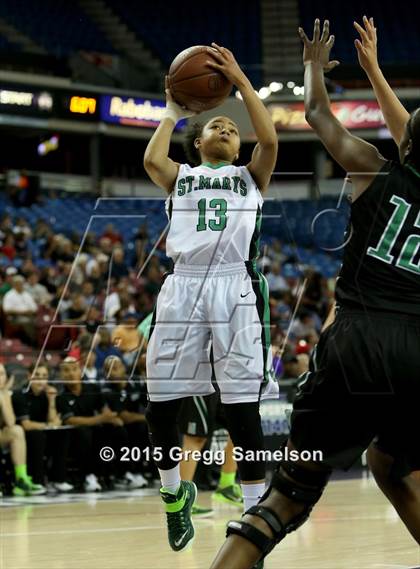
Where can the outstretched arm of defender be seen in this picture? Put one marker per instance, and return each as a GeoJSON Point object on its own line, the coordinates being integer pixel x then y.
{"type": "Point", "coordinates": [352, 153]}
{"type": "Point", "coordinates": [395, 114]}
{"type": "Point", "coordinates": [265, 153]}
{"type": "Point", "coordinates": [161, 169]}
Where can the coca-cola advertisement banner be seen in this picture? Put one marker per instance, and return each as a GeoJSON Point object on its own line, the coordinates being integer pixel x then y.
{"type": "Point", "coordinates": [352, 114]}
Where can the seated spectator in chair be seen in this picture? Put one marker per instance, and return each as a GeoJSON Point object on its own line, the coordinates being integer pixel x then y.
{"type": "Point", "coordinates": [35, 409]}
{"type": "Point", "coordinates": [12, 436]}
{"type": "Point", "coordinates": [82, 405]}
{"type": "Point", "coordinates": [104, 347]}
{"type": "Point", "coordinates": [37, 290]}
{"type": "Point", "coordinates": [20, 309]}
{"type": "Point", "coordinates": [7, 280]}
{"type": "Point", "coordinates": [126, 337]}
{"type": "Point", "coordinates": [88, 361]}
{"type": "Point", "coordinates": [125, 397]}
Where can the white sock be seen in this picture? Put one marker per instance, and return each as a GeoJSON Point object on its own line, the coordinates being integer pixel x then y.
{"type": "Point", "coordinates": [171, 479]}
{"type": "Point", "coordinates": [252, 494]}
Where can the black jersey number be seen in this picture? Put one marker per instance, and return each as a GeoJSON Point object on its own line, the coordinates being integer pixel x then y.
{"type": "Point", "coordinates": [219, 206]}
{"type": "Point", "coordinates": [409, 250]}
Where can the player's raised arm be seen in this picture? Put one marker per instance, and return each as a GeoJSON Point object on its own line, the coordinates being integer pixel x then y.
{"type": "Point", "coordinates": [352, 153]}
{"type": "Point", "coordinates": [396, 116]}
{"type": "Point", "coordinates": [265, 153]}
{"type": "Point", "coordinates": [161, 169]}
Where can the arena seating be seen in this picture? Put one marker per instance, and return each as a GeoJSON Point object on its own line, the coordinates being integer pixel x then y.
{"type": "Point", "coordinates": [315, 243]}
{"type": "Point", "coordinates": [237, 24]}
{"type": "Point", "coordinates": [72, 31]}
{"type": "Point", "coordinates": [399, 40]}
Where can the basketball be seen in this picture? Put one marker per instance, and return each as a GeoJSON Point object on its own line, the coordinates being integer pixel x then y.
{"type": "Point", "coordinates": [194, 84]}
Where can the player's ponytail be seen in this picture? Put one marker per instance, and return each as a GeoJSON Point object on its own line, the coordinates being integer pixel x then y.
{"type": "Point", "coordinates": [192, 153]}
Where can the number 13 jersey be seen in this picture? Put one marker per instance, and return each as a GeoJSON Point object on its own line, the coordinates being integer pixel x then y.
{"type": "Point", "coordinates": [215, 215]}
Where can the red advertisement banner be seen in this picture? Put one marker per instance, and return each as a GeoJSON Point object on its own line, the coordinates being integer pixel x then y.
{"type": "Point", "coordinates": [353, 115]}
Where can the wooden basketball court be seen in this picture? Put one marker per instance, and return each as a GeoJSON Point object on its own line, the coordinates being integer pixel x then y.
{"type": "Point", "coordinates": [352, 528]}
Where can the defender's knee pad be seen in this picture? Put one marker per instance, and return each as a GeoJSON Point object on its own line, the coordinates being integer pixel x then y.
{"type": "Point", "coordinates": [296, 483]}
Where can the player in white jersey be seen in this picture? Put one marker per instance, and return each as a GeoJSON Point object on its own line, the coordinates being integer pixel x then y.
{"type": "Point", "coordinates": [212, 312]}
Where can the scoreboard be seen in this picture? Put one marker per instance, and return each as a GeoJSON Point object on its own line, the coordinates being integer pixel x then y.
{"type": "Point", "coordinates": [81, 106]}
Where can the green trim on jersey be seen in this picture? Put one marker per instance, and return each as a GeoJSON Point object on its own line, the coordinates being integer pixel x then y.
{"type": "Point", "coordinates": [215, 166]}
{"type": "Point", "coordinates": [254, 245]}
{"type": "Point", "coordinates": [260, 287]}
{"type": "Point", "coordinates": [415, 172]}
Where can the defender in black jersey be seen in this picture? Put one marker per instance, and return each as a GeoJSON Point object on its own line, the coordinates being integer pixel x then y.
{"type": "Point", "coordinates": [363, 385]}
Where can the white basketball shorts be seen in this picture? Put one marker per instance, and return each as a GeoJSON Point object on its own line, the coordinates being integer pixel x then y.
{"type": "Point", "coordinates": [211, 323]}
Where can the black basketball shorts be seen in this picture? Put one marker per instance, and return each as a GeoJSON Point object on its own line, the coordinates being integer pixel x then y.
{"type": "Point", "coordinates": [200, 416]}
{"type": "Point", "coordinates": [363, 385]}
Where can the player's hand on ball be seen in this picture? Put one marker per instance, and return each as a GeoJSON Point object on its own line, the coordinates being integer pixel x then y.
{"type": "Point", "coordinates": [173, 110]}
{"type": "Point", "coordinates": [367, 47]}
{"type": "Point", "coordinates": [318, 49]}
{"type": "Point", "coordinates": [223, 60]}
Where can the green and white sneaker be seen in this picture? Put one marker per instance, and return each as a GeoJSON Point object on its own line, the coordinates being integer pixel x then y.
{"type": "Point", "coordinates": [200, 512]}
{"type": "Point", "coordinates": [178, 514]}
{"type": "Point", "coordinates": [25, 487]}
{"type": "Point", "coordinates": [231, 495]}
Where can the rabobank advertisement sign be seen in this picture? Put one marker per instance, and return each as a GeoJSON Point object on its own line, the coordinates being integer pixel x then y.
{"type": "Point", "coordinates": [133, 111]}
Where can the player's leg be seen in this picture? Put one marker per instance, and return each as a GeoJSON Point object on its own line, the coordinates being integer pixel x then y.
{"type": "Point", "coordinates": [402, 491]}
{"type": "Point", "coordinates": [195, 422]}
{"type": "Point", "coordinates": [238, 310]}
{"type": "Point", "coordinates": [14, 438]}
{"type": "Point", "coordinates": [294, 490]}
{"type": "Point", "coordinates": [228, 491]}
{"type": "Point", "coordinates": [177, 367]}
{"type": "Point", "coordinates": [323, 411]}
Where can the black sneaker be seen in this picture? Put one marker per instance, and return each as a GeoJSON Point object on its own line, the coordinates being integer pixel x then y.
{"type": "Point", "coordinates": [178, 514]}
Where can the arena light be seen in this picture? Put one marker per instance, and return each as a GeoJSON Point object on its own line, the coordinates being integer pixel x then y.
{"type": "Point", "coordinates": [290, 84]}
{"type": "Point", "coordinates": [298, 90]}
{"type": "Point", "coordinates": [48, 145]}
{"type": "Point", "coordinates": [274, 86]}
{"type": "Point", "coordinates": [238, 95]}
{"type": "Point", "coordinates": [264, 92]}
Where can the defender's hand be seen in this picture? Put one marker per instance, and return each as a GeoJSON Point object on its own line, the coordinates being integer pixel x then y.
{"type": "Point", "coordinates": [318, 49]}
{"type": "Point", "coordinates": [367, 47]}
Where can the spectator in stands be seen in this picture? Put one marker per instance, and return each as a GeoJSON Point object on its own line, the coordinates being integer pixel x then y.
{"type": "Point", "coordinates": [119, 266]}
{"type": "Point", "coordinates": [313, 295]}
{"type": "Point", "coordinates": [140, 243]}
{"type": "Point", "coordinates": [126, 337]}
{"type": "Point", "coordinates": [112, 234]}
{"type": "Point", "coordinates": [83, 343]}
{"type": "Point", "coordinates": [7, 283]}
{"type": "Point", "coordinates": [76, 311]}
{"type": "Point", "coordinates": [12, 436]}
{"type": "Point", "coordinates": [20, 309]}
{"type": "Point", "coordinates": [8, 248]}
{"type": "Point", "coordinates": [88, 363]}
{"type": "Point", "coordinates": [276, 282]}
{"type": "Point", "coordinates": [276, 252]}
{"type": "Point", "coordinates": [303, 325]}
{"type": "Point", "coordinates": [50, 279]}
{"type": "Point", "coordinates": [126, 398]}
{"type": "Point", "coordinates": [35, 409]}
{"type": "Point", "coordinates": [38, 291]}
{"type": "Point", "coordinates": [88, 293]}
{"type": "Point", "coordinates": [105, 347]}
{"type": "Point", "coordinates": [82, 405]}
